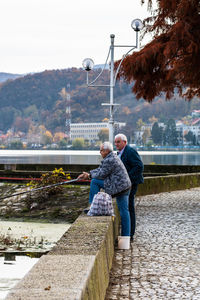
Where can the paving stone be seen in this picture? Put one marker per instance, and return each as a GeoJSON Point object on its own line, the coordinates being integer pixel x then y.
{"type": "Point", "coordinates": [164, 260]}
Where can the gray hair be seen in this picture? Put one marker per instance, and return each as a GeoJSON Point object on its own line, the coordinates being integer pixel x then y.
{"type": "Point", "coordinates": [121, 136]}
{"type": "Point", "coordinates": [107, 146]}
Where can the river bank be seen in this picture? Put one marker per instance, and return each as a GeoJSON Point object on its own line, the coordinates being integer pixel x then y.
{"type": "Point", "coordinates": [65, 206]}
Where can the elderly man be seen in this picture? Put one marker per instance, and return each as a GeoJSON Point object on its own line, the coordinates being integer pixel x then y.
{"type": "Point", "coordinates": [112, 176]}
{"type": "Point", "coordinates": [134, 167]}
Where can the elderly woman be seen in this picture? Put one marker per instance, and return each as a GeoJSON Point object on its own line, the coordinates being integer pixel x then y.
{"type": "Point", "coordinates": [112, 176]}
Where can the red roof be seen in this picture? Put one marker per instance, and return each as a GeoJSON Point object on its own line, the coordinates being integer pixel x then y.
{"type": "Point", "coordinates": [196, 121]}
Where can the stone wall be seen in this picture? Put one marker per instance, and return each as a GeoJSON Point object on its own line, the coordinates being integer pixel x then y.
{"type": "Point", "coordinates": [173, 169]}
{"type": "Point", "coordinates": [159, 184]}
{"type": "Point", "coordinates": [23, 173]}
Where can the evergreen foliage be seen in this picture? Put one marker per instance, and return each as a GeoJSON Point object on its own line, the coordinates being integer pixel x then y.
{"type": "Point", "coordinates": [170, 135]}
{"type": "Point", "coordinates": [157, 134]}
{"type": "Point", "coordinates": [190, 137]}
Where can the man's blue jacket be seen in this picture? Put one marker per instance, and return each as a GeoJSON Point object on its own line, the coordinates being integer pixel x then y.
{"type": "Point", "coordinates": [133, 164]}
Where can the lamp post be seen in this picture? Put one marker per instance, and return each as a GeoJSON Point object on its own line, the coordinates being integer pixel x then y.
{"type": "Point", "coordinates": [88, 65]}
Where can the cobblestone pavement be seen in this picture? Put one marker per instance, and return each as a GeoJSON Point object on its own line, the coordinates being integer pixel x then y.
{"type": "Point", "coordinates": [164, 259]}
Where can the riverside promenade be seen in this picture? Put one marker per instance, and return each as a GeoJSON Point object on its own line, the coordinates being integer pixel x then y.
{"type": "Point", "coordinates": [164, 259]}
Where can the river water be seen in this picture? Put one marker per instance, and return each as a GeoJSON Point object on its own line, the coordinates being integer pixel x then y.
{"type": "Point", "coordinates": [11, 272]}
{"type": "Point", "coordinates": [93, 157]}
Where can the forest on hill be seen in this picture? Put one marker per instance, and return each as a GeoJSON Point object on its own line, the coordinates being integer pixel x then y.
{"type": "Point", "coordinates": [40, 99]}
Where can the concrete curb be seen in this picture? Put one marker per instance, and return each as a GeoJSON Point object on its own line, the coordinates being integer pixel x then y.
{"type": "Point", "coordinates": [77, 267]}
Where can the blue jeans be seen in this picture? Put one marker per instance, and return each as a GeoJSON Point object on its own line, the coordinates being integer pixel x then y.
{"type": "Point", "coordinates": [95, 186]}
{"type": "Point", "coordinates": [122, 203]}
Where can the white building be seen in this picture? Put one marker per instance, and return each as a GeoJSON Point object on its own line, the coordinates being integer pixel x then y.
{"type": "Point", "coordinates": [138, 136]}
{"type": "Point", "coordinates": [89, 131]}
{"type": "Point", "coordinates": [150, 125]}
{"type": "Point", "coordinates": [194, 128]}
{"type": "Point", "coordinates": [196, 114]}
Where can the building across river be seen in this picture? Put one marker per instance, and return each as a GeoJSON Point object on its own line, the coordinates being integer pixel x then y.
{"type": "Point", "coordinates": [89, 131]}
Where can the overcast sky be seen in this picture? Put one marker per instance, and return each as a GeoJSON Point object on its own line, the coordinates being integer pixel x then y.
{"type": "Point", "coordinates": [38, 35]}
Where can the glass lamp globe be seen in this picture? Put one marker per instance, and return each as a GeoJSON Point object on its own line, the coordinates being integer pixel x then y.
{"type": "Point", "coordinates": [88, 64]}
{"type": "Point", "coordinates": [137, 24]}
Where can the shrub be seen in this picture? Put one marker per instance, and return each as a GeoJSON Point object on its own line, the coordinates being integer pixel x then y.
{"type": "Point", "coordinates": [50, 179]}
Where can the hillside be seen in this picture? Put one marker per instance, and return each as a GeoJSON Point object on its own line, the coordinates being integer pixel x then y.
{"type": "Point", "coordinates": [37, 99]}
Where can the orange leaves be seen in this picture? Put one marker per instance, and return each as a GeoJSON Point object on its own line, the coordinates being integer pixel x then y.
{"type": "Point", "coordinates": [172, 59]}
{"type": "Point", "coordinates": [126, 110]}
{"type": "Point", "coordinates": [58, 136]}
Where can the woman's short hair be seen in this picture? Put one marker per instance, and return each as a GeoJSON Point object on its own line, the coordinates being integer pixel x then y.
{"type": "Point", "coordinates": [121, 136]}
{"type": "Point", "coordinates": [107, 146]}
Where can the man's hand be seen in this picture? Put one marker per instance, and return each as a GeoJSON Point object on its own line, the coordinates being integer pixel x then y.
{"type": "Point", "coordinates": [84, 176]}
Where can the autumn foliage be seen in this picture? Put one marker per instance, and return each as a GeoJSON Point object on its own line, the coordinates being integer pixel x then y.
{"type": "Point", "coordinates": [171, 61]}
{"type": "Point", "coordinates": [41, 99]}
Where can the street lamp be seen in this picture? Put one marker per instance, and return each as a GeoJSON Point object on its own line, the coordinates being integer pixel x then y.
{"type": "Point", "coordinates": [88, 65]}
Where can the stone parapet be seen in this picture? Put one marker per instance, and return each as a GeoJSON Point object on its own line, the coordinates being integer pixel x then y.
{"type": "Point", "coordinates": [77, 267]}
{"type": "Point", "coordinates": [160, 184]}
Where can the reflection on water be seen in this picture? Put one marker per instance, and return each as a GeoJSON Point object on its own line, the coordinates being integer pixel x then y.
{"type": "Point", "coordinates": [170, 157]}
{"type": "Point", "coordinates": [29, 236]}
{"type": "Point", "coordinates": [11, 273]}
{"type": "Point", "coordinates": [49, 157]}
{"type": "Point", "coordinates": [93, 157]}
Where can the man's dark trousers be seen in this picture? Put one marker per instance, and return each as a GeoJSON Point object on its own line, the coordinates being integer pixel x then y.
{"type": "Point", "coordinates": [134, 167]}
{"type": "Point", "coordinates": [132, 208]}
